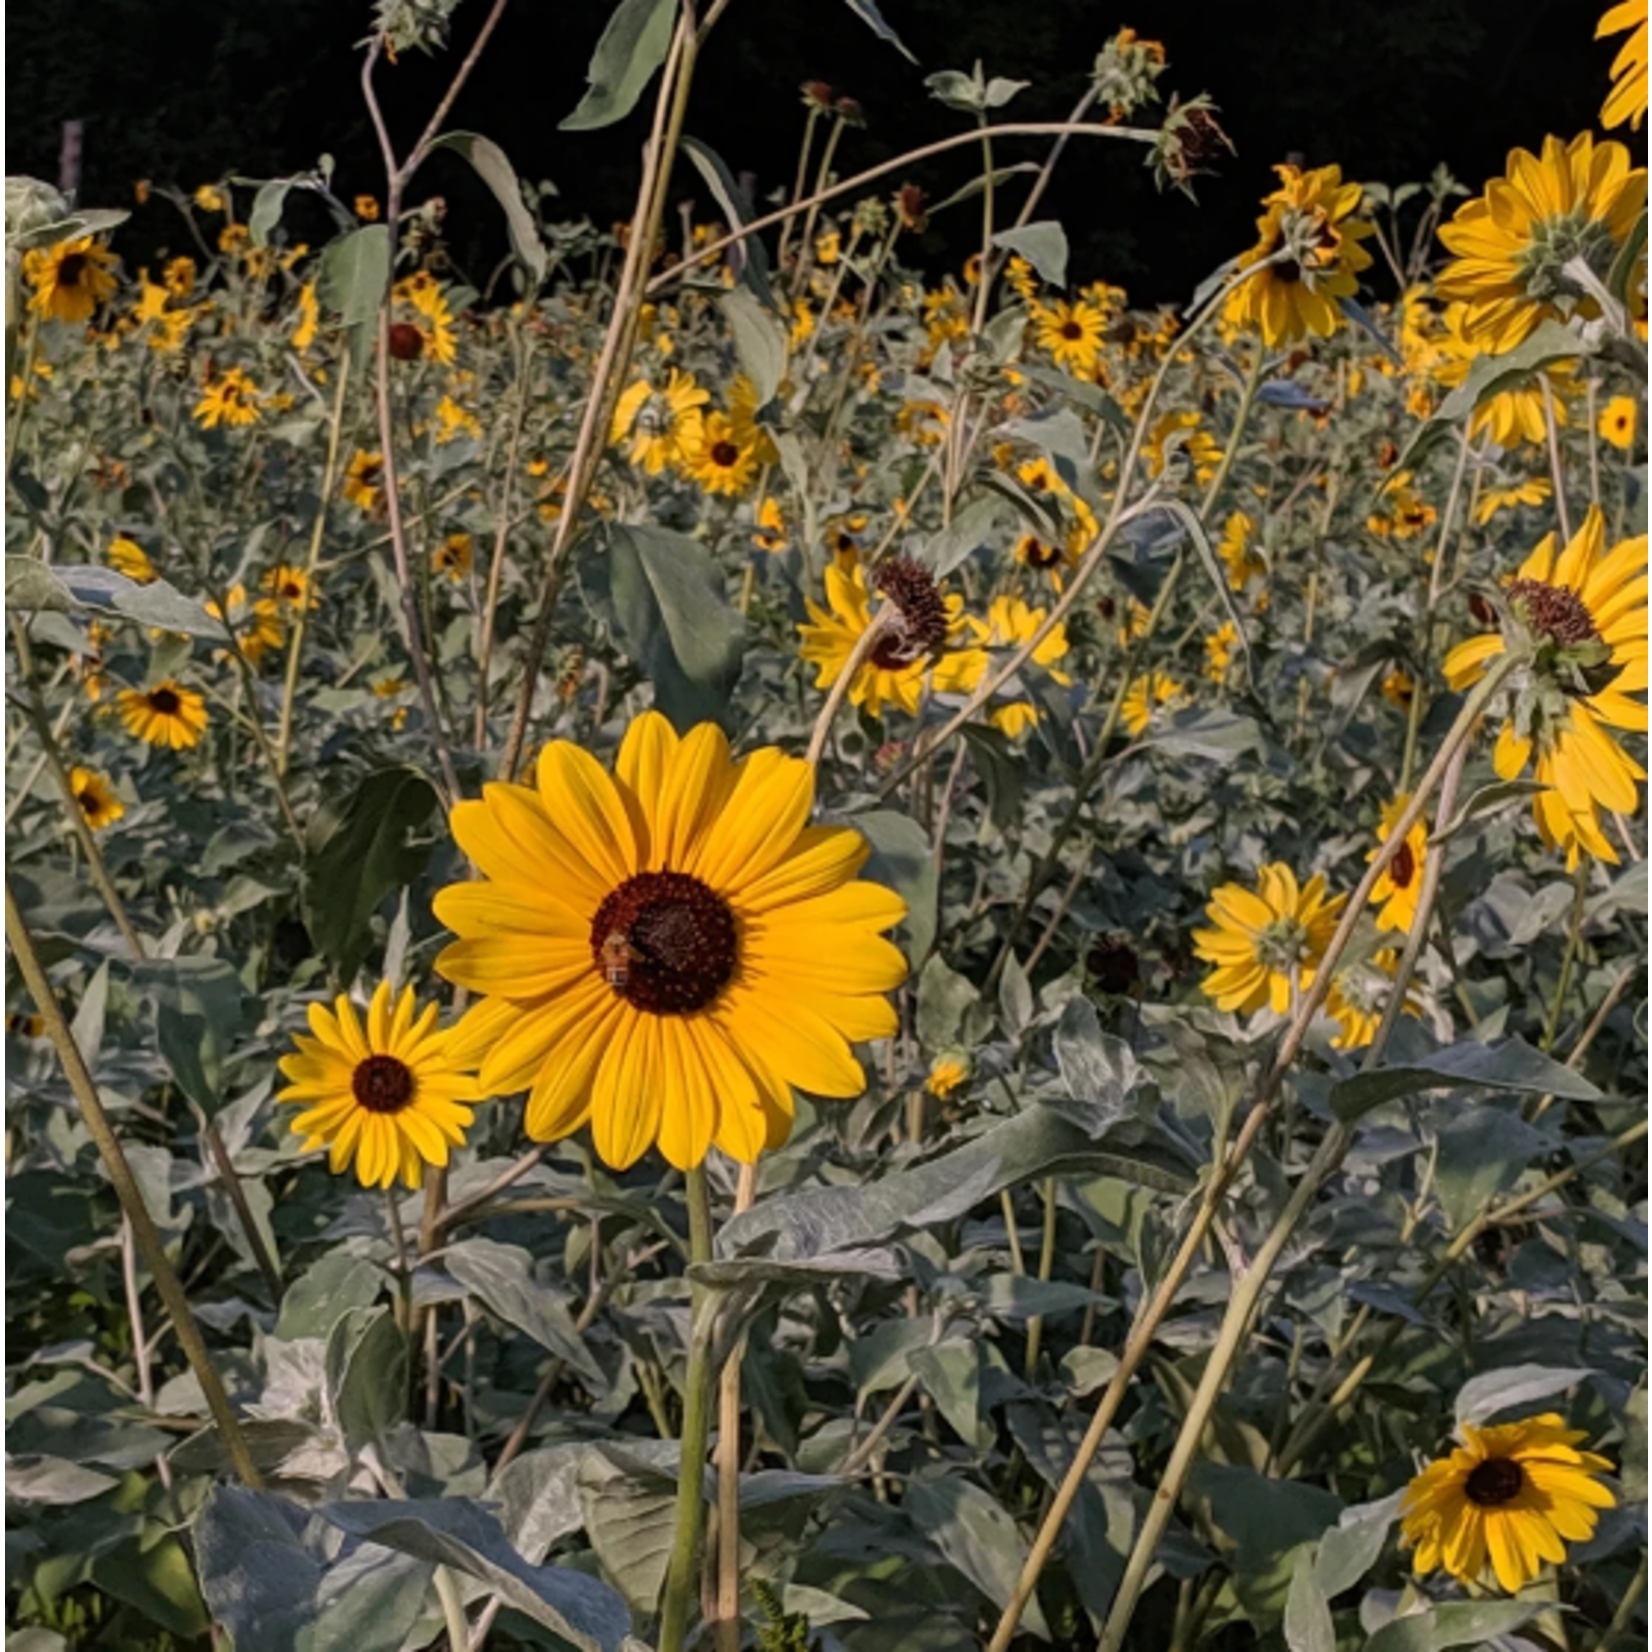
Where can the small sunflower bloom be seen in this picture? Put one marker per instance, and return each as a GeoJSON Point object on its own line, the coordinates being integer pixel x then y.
{"type": "Point", "coordinates": [1220, 645]}
{"type": "Point", "coordinates": [1581, 615]}
{"type": "Point", "coordinates": [668, 949]}
{"type": "Point", "coordinates": [1239, 557]}
{"type": "Point", "coordinates": [127, 556]}
{"type": "Point", "coordinates": [166, 715]}
{"type": "Point", "coordinates": [1509, 1498]}
{"type": "Point", "coordinates": [1617, 422]}
{"type": "Point", "coordinates": [658, 428]}
{"type": "Point", "coordinates": [389, 1096]}
{"type": "Point", "coordinates": [1147, 695]}
{"type": "Point", "coordinates": [1266, 943]}
{"type": "Point", "coordinates": [1072, 333]}
{"type": "Point", "coordinates": [769, 532]}
{"type": "Point", "coordinates": [716, 459]}
{"type": "Point", "coordinates": [363, 483]}
{"type": "Point", "coordinates": [231, 399]}
{"type": "Point", "coordinates": [1009, 623]}
{"type": "Point", "coordinates": [1396, 891]}
{"type": "Point", "coordinates": [1533, 491]}
{"type": "Point", "coordinates": [96, 798]}
{"type": "Point", "coordinates": [289, 585]}
{"type": "Point", "coordinates": [948, 1073]}
{"type": "Point", "coordinates": [309, 318]}
{"type": "Point", "coordinates": [454, 557]}
{"type": "Point", "coordinates": [70, 279]}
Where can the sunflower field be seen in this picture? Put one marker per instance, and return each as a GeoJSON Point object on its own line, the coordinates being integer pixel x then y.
{"type": "Point", "coordinates": [714, 943]}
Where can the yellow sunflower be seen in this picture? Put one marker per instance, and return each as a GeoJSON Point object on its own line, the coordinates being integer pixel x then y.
{"type": "Point", "coordinates": [289, 585]}
{"type": "Point", "coordinates": [893, 673]}
{"type": "Point", "coordinates": [363, 483]}
{"type": "Point", "coordinates": [1401, 882]}
{"type": "Point", "coordinates": [659, 428]}
{"type": "Point", "coordinates": [166, 715]}
{"type": "Point", "coordinates": [667, 950]}
{"type": "Point", "coordinates": [309, 317]}
{"type": "Point", "coordinates": [769, 531]}
{"type": "Point", "coordinates": [1147, 694]}
{"type": "Point", "coordinates": [1266, 942]}
{"type": "Point", "coordinates": [1009, 623]}
{"type": "Point", "coordinates": [96, 798]}
{"type": "Point", "coordinates": [1533, 491]}
{"type": "Point", "coordinates": [1404, 512]}
{"type": "Point", "coordinates": [749, 430]}
{"type": "Point", "coordinates": [1183, 432]}
{"type": "Point", "coordinates": [256, 625]}
{"type": "Point", "coordinates": [1582, 616]}
{"type": "Point", "coordinates": [392, 1096]}
{"type": "Point", "coordinates": [1514, 1495]}
{"type": "Point", "coordinates": [231, 398]}
{"type": "Point", "coordinates": [453, 557]}
{"type": "Point", "coordinates": [1358, 996]}
{"type": "Point", "coordinates": [1627, 99]}
{"type": "Point", "coordinates": [1034, 552]}
{"type": "Point", "coordinates": [1219, 649]}
{"type": "Point", "coordinates": [717, 461]}
{"type": "Point", "coordinates": [947, 1073]}
{"type": "Point", "coordinates": [367, 209]}
{"type": "Point", "coordinates": [1512, 244]}
{"type": "Point", "coordinates": [1072, 333]}
{"type": "Point", "coordinates": [1242, 561]}
{"type": "Point", "coordinates": [127, 556]}
{"type": "Point", "coordinates": [1310, 218]}
{"type": "Point", "coordinates": [69, 279]}
{"type": "Point", "coordinates": [433, 320]}
{"type": "Point", "coordinates": [1617, 422]}
{"type": "Point", "coordinates": [1511, 417]}
{"type": "Point", "coordinates": [1398, 688]}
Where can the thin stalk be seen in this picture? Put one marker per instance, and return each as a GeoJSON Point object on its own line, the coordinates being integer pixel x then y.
{"type": "Point", "coordinates": [144, 1231]}
{"type": "Point", "coordinates": [806, 242]}
{"type": "Point", "coordinates": [858, 655]}
{"type": "Point", "coordinates": [1625, 1614]}
{"type": "Point", "coordinates": [1568, 961]}
{"type": "Point", "coordinates": [728, 1467]}
{"type": "Point", "coordinates": [312, 562]}
{"type": "Point", "coordinates": [691, 1469]}
{"type": "Point", "coordinates": [809, 124]}
{"type": "Point", "coordinates": [1557, 470]}
{"type": "Point", "coordinates": [1046, 1265]}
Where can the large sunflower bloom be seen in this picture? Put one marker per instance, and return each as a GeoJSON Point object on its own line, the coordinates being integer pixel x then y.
{"type": "Point", "coordinates": [1311, 218]}
{"type": "Point", "coordinates": [166, 715]}
{"type": "Point", "coordinates": [1515, 1495]}
{"type": "Point", "coordinates": [1266, 940]}
{"type": "Point", "coordinates": [392, 1095]}
{"type": "Point", "coordinates": [1512, 244]}
{"type": "Point", "coordinates": [1627, 99]}
{"type": "Point", "coordinates": [665, 951]}
{"type": "Point", "coordinates": [69, 279]}
{"type": "Point", "coordinates": [1582, 614]}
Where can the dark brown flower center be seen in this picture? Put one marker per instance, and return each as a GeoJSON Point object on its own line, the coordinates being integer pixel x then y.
{"type": "Point", "coordinates": [1289, 270]}
{"type": "Point", "coordinates": [71, 269]}
{"type": "Point", "coordinates": [382, 1084]}
{"type": "Point", "coordinates": [724, 454]}
{"type": "Point", "coordinates": [406, 341]}
{"type": "Point", "coordinates": [665, 942]}
{"type": "Point", "coordinates": [1555, 610]}
{"type": "Point", "coordinates": [1072, 331]}
{"type": "Point", "coordinates": [88, 800]}
{"type": "Point", "coordinates": [1403, 868]}
{"type": "Point", "coordinates": [1496, 1480]}
{"type": "Point", "coordinates": [165, 701]}
{"type": "Point", "coordinates": [1036, 554]}
{"type": "Point", "coordinates": [921, 624]}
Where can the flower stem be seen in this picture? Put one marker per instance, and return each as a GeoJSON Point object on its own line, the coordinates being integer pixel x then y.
{"type": "Point", "coordinates": [728, 1468]}
{"type": "Point", "coordinates": [1568, 962]}
{"type": "Point", "coordinates": [126, 1187]}
{"type": "Point", "coordinates": [691, 1469]}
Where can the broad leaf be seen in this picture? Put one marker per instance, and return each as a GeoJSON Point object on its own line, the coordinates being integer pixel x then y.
{"type": "Point", "coordinates": [1043, 245]}
{"type": "Point", "coordinates": [632, 47]}
{"type": "Point", "coordinates": [493, 167]}
{"type": "Point", "coordinates": [1513, 1066]}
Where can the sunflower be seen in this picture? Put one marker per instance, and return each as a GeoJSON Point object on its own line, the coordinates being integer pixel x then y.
{"type": "Point", "coordinates": [256, 625]}
{"type": "Point", "coordinates": [1219, 647]}
{"type": "Point", "coordinates": [1515, 1494]}
{"type": "Point", "coordinates": [1512, 244]}
{"type": "Point", "coordinates": [1533, 491]}
{"type": "Point", "coordinates": [1182, 432]}
{"type": "Point", "coordinates": [231, 398]}
{"type": "Point", "coordinates": [1310, 219]}
{"type": "Point", "coordinates": [179, 276]}
{"type": "Point", "coordinates": [769, 532]}
{"type": "Point", "coordinates": [893, 673]}
{"type": "Point", "coordinates": [209, 198]}
{"type": "Point", "coordinates": [1358, 997]}
{"type": "Point", "coordinates": [430, 333]}
{"type": "Point", "coordinates": [1033, 552]}
{"type": "Point", "coordinates": [1009, 623]}
{"type": "Point", "coordinates": [1581, 616]}
{"type": "Point", "coordinates": [668, 950]}
{"type": "Point", "coordinates": [1404, 513]}
{"type": "Point", "coordinates": [1242, 562]}
{"type": "Point", "coordinates": [289, 585]}
{"type": "Point", "coordinates": [749, 430]}
{"type": "Point", "coordinates": [1618, 420]}
{"type": "Point", "coordinates": [453, 557]}
{"type": "Point", "coordinates": [69, 279]}
{"type": "Point", "coordinates": [166, 715]}
{"type": "Point", "coordinates": [716, 460]}
{"type": "Point", "coordinates": [1398, 688]}
{"type": "Point", "coordinates": [1266, 942]}
{"type": "Point", "coordinates": [1147, 694]}
{"type": "Point", "coordinates": [1134, 625]}
{"type": "Point", "coordinates": [1401, 882]}
{"type": "Point", "coordinates": [364, 480]}
{"type": "Point", "coordinates": [1022, 278]}
{"type": "Point", "coordinates": [96, 798]}
{"type": "Point", "coordinates": [1627, 99]}
{"type": "Point", "coordinates": [1512, 417]}
{"type": "Point", "coordinates": [659, 428]}
{"type": "Point", "coordinates": [392, 1096]}
{"type": "Point", "coordinates": [454, 420]}
{"type": "Point", "coordinates": [947, 1073]}
{"type": "Point", "coordinates": [367, 209]}
{"type": "Point", "coordinates": [127, 556]}
{"type": "Point", "coordinates": [309, 317]}
{"type": "Point", "coordinates": [1072, 333]}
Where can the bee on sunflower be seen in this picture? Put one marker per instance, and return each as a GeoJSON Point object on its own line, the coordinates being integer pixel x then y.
{"type": "Point", "coordinates": [659, 428]}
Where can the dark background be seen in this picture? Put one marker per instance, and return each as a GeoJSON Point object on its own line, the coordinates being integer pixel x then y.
{"type": "Point", "coordinates": [186, 92]}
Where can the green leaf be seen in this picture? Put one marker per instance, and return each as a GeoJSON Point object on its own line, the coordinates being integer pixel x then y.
{"type": "Point", "coordinates": [977, 1537]}
{"type": "Point", "coordinates": [1037, 1142]}
{"type": "Point", "coordinates": [759, 341]}
{"type": "Point", "coordinates": [197, 1016]}
{"type": "Point", "coordinates": [943, 997]}
{"type": "Point", "coordinates": [1456, 1623]}
{"type": "Point", "coordinates": [157, 604]}
{"type": "Point", "coordinates": [970, 530]}
{"type": "Point", "coordinates": [1043, 245]}
{"type": "Point", "coordinates": [1268, 1519]}
{"type": "Point", "coordinates": [868, 13]}
{"type": "Point", "coordinates": [902, 861]}
{"type": "Point", "coordinates": [538, 1498]}
{"type": "Point", "coordinates": [34, 1478]}
{"type": "Point", "coordinates": [632, 47]}
{"type": "Point", "coordinates": [1212, 733]}
{"type": "Point", "coordinates": [1001, 767]}
{"type": "Point", "coordinates": [366, 858]}
{"type": "Point", "coordinates": [32, 586]}
{"type": "Point", "coordinates": [493, 167]}
{"type": "Point", "coordinates": [1482, 1152]}
{"type": "Point", "coordinates": [1516, 1386]}
{"type": "Point", "coordinates": [630, 1517]}
{"type": "Point", "coordinates": [501, 1276]}
{"type": "Point", "coordinates": [460, 1533]}
{"type": "Point", "coordinates": [1308, 1623]}
{"type": "Point", "coordinates": [747, 258]}
{"type": "Point", "coordinates": [1630, 254]}
{"type": "Point", "coordinates": [1349, 1549]}
{"type": "Point", "coordinates": [1101, 1072]}
{"type": "Point", "coordinates": [335, 1282]}
{"type": "Point", "coordinates": [1060, 436]}
{"type": "Point", "coordinates": [1486, 800]}
{"type": "Point", "coordinates": [1214, 571]}
{"type": "Point", "coordinates": [1513, 1065]}
{"type": "Point", "coordinates": [675, 621]}
{"type": "Point", "coordinates": [353, 274]}
{"type": "Point", "coordinates": [366, 1371]}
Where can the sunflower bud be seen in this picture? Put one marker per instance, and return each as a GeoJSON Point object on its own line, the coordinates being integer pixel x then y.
{"type": "Point", "coordinates": [406, 341]}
